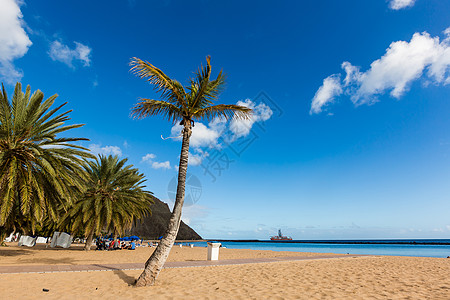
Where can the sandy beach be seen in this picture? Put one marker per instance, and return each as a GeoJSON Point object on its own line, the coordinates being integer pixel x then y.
{"type": "Point", "coordinates": [75, 255]}
{"type": "Point", "coordinates": [371, 277]}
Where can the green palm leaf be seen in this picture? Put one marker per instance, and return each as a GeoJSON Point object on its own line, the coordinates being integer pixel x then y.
{"type": "Point", "coordinates": [38, 167]}
{"type": "Point", "coordinates": [114, 198]}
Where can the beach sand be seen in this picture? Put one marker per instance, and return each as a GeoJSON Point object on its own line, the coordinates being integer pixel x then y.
{"type": "Point", "coordinates": [75, 255]}
{"type": "Point", "coordinates": [371, 277]}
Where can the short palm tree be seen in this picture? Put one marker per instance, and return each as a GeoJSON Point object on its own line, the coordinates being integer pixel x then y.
{"type": "Point", "coordinates": [185, 105]}
{"type": "Point", "coordinates": [39, 170]}
{"type": "Point", "coordinates": [112, 201]}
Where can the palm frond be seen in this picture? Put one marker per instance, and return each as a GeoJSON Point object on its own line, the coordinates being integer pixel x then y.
{"type": "Point", "coordinates": [227, 111]}
{"type": "Point", "coordinates": [148, 107]}
{"type": "Point", "coordinates": [203, 91]}
{"type": "Point", "coordinates": [170, 89]}
{"type": "Point", "coordinates": [40, 171]}
{"type": "Point", "coordinates": [113, 197]}
{"type": "Point", "coordinates": [176, 104]}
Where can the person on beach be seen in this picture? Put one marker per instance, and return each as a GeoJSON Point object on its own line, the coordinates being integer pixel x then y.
{"type": "Point", "coordinates": [132, 246]}
{"type": "Point", "coordinates": [101, 244]}
{"type": "Point", "coordinates": [114, 245]}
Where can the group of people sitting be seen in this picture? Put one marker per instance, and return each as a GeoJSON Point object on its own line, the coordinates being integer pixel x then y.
{"type": "Point", "coordinates": [116, 244]}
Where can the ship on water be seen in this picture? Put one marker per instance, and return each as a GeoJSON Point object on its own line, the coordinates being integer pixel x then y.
{"type": "Point", "coordinates": [280, 237]}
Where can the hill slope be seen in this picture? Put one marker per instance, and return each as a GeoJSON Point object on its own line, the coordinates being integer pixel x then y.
{"type": "Point", "coordinates": [155, 225]}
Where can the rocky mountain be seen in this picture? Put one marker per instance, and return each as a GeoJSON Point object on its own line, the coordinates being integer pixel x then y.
{"type": "Point", "coordinates": [154, 226]}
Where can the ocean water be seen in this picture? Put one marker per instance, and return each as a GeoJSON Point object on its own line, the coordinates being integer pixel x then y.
{"type": "Point", "coordinates": [420, 248]}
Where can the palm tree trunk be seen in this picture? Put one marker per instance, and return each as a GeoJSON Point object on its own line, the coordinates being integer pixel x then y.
{"type": "Point", "coordinates": [3, 235]}
{"type": "Point", "coordinates": [89, 240]}
{"type": "Point", "coordinates": [156, 261]}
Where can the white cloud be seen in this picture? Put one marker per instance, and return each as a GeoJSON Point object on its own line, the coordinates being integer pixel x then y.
{"type": "Point", "coordinates": [202, 136]}
{"type": "Point", "coordinates": [330, 88]}
{"type": "Point", "coordinates": [261, 113]}
{"type": "Point", "coordinates": [14, 41]}
{"type": "Point", "coordinates": [352, 72]}
{"type": "Point", "coordinates": [195, 159]}
{"type": "Point", "coordinates": [208, 136]}
{"type": "Point", "coordinates": [219, 125]}
{"type": "Point", "coordinates": [196, 156]}
{"type": "Point", "coordinates": [62, 53]}
{"type": "Point", "coordinates": [402, 64]}
{"type": "Point", "coordinates": [161, 165]}
{"type": "Point", "coordinates": [149, 158]}
{"type": "Point", "coordinates": [400, 4]}
{"type": "Point", "coordinates": [106, 150]}
{"type": "Point", "coordinates": [440, 66]}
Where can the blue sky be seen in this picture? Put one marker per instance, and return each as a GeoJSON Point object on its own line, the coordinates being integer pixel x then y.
{"type": "Point", "coordinates": [351, 136]}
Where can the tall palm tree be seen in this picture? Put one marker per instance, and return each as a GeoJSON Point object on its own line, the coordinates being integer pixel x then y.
{"type": "Point", "coordinates": [185, 105]}
{"type": "Point", "coordinates": [39, 170]}
{"type": "Point", "coordinates": [114, 198]}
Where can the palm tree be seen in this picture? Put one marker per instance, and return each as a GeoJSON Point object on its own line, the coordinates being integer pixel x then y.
{"type": "Point", "coordinates": [185, 105]}
{"type": "Point", "coordinates": [39, 170]}
{"type": "Point", "coordinates": [114, 198]}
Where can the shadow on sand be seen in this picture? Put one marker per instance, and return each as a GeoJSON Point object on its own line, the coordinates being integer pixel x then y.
{"type": "Point", "coordinates": [127, 279]}
{"type": "Point", "coordinates": [13, 252]}
{"type": "Point", "coordinates": [50, 261]}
